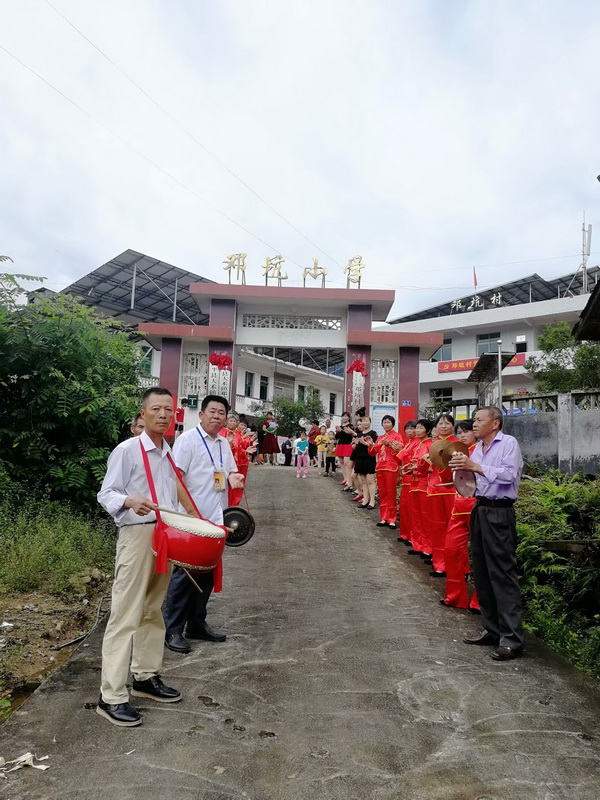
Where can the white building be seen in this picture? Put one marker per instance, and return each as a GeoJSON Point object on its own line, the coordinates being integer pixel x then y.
{"type": "Point", "coordinates": [515, 313]}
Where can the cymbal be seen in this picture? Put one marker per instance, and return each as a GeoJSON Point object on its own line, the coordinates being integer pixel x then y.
{"type": "Point", "coordinates": [464, 482]}
{"type": "Point", "coordinates": [453, 447]}
{"type": "Point", "coordinates": [435, 453]}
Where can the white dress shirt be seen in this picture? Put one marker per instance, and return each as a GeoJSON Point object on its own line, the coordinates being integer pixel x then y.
{"type": "Point", "coordinates": [193, 459]}
{"type": "Point", "coordinates": [125, 475]}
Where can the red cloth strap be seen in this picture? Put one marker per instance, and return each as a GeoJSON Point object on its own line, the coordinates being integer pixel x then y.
{"type": "Point", "coordinates": [159, 537]}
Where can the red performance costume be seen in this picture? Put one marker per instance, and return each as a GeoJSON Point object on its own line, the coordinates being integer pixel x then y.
{"type": "Point", "coordinates": [386, 472]}
{"type": "Point", "coordinates": [440, 501]}
{"type": "Point", "coordinates": [420, 524]}
{"type": "Point", "coordinates": [456, 552]}
{"type": "Point", "coordinates": [404, 457]}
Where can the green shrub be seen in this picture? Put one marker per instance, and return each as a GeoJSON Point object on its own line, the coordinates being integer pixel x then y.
{"type": "Point", "coordinates": [48, 547]}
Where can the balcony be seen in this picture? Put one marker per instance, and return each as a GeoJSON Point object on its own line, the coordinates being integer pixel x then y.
{"type": "Point", "coordinates": [248, 405]}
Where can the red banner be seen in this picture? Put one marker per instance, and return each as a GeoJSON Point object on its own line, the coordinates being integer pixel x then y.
{"type": "Point", "coordinates": [469, 363]}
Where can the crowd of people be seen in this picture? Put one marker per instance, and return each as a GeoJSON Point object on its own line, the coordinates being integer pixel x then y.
{"type": "Point", "coordinates": [206, 471]}
{"type": "Point", "coordinates": [418, 499]}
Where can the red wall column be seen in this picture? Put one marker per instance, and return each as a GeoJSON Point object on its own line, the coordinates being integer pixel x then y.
{"type": "Point", "coordinates": [360, 320]}
{"type": "Point", "coordinates": [170, 362]}
{"type": "Point", "coordinates": [228, 349]}
{"type": "Point", "coordinates": [408, 385]}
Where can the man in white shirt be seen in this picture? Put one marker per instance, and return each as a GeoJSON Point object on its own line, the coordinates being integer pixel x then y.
{"type": "Point", "coordinates": [138, 592]}
{"type": "Point", "coordinates": [206, 460]}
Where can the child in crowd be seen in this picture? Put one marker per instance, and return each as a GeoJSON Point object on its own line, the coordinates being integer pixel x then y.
{"type": "Point", "coordinates": [330, 454]}
{"type": "Point", "coordinates": [321, 442]}
{"type": "Point", "coordinates": [302, 455]}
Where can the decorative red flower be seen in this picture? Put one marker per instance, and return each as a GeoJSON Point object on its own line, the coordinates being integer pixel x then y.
{"type": "Point", "coordinates": [221, 361]}
{"type": "Point", "coordinates": [358, 366]}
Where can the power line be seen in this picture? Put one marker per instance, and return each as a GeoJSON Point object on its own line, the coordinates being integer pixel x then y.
{"type": "Point", "coordinates": [190, 134]}
{"type": "Point", "coordinates": [145, 157]}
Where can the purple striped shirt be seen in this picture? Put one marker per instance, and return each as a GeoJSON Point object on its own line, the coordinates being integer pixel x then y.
{"type": "Point", "coordinates": [502, 465]}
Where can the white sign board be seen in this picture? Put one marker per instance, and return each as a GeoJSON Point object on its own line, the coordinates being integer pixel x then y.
{"type": "Point", "coordinates": [377, 414]}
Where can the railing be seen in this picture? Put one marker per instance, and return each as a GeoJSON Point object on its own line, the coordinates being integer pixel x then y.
{"type": "Point", "coordinates": [514, 405]}
{"type": "Point", "coordinates": [146, 381]}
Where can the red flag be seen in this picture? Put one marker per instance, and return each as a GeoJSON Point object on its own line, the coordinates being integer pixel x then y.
{"type": "Point", "coordinates": [474, 279]}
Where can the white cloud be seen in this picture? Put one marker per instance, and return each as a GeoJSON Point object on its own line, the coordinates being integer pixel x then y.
{"type": "Point", "coordinates": [427, 136]}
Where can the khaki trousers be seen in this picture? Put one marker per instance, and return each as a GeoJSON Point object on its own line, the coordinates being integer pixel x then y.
{"type": "Point", "coordinates": [135, 616]}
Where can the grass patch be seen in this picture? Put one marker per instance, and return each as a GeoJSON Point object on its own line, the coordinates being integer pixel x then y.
{"type": "Point", "coordinates": [47, 547]}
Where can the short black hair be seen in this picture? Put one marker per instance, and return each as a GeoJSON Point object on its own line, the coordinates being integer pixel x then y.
{"type": "Point", "coordinates": [135, 420]}
{"type": "Point", "coordinates": [445, 415]}
{"type": "Point", "coordinates": [361, 412]}
{"type": "Point", "coordinates": [412, 423]}
{"type": "Point", "coordinates": [391, 419]}
{"type": "Point", "coordinates": [155, 390]}
{"type": "Point", "coordinates": [214, 398]}
{"type": "Point", "coordinates": [464, 425]}
{"type": "Point", "coordinates": [315, 421]}
{"type": "Point", "coordinates": [184, 401]}
{"type": "Point", "coordinates": [495, 413]}
{"type": "Point", "coordinates": [426, 423]}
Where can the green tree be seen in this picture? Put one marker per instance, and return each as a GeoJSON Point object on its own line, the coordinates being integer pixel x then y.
{"type": "Point", "coordinates": [68, 386]}
{"type": "Point", "coordinates": [289, 412]}
{"type": "Point", "coordinates": [564, 365]}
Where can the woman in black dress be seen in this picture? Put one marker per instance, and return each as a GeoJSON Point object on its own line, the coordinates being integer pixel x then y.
{"type": "Point", "coordinates": [364, 464]}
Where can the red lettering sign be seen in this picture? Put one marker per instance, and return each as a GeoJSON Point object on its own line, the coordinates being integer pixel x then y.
{"type": "Point", "coordinates": [460, 366]}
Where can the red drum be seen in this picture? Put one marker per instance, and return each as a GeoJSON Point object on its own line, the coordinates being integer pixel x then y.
{"type": "Point", "coordinates": [193, 543]}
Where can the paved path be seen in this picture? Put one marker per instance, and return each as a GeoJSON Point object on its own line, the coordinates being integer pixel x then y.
{"type": "Point", "coordinates": [342, 677]}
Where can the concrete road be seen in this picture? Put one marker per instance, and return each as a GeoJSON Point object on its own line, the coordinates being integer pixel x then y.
{"type": "Point", "coordinates": [342, 678]}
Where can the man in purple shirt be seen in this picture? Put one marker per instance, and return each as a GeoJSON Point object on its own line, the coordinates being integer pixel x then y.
{"type": "Point", "coordinates": [497, 464]}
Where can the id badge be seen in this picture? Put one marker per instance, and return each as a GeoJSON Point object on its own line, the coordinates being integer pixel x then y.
{"type": "Point", "coordinates": [219, 483]}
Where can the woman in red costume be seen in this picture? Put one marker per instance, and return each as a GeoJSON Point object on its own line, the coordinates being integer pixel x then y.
{"type": "Point", "coordinates": [405, 456]}
{"type": "Point", "coordinates": [420, 466]}
{"type": "Point", "coordinates": [386, 470]}
{"type": "Point", "coordinates": [456, 551]}
{"type": "Point", "coordinates": [246, 444]}
{"type": "Point", "coordinates": [440, 498]}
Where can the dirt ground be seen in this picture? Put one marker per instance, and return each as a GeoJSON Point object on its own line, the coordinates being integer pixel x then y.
{"type": "Point", "coordinates": [32, 629]}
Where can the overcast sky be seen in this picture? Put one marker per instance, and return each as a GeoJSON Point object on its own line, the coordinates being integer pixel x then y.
{"type": "Point", "coordinates": [427, 136]}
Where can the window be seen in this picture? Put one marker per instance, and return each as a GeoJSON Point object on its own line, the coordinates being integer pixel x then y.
{"type": "Point", "coordinates": [441, 398]}
{"type": "Point", "coordinates": [301, 393]}
{"type": "Point", "coordinates": [487, 343]}
{"type": "Point", "coordinates": [445, 351]}
{"type": "Point", "coordinates": [520, 344]}
{"type": "Point", "coordinates": [332, 398]}
{"type": "Point", "coordinates": [264, 388]}
{"type": "Point", "coordinates": [249, 384]}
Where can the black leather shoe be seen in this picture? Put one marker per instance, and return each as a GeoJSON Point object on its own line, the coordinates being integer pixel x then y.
{"type": "Point", "coordinates": [484, 637]}
{"type": "Point", "coordinates": [382, 524]}
{"type": "Point", "coordinates": [435, 574]}
{"type": "Point", "coordinates": [392, 525]}
{"type": "Point", "coordinates": [177, 643]}
{"type": "Point", "coordinates": [506, 653]}
{"type": "Point", "coordinates": [122, 714]}
{"type": "Point", "coordinates": [155, 689]}
{"type": "Point", "coordinates": [207, 634]}
{"type": "Point", "coordinates": [414, 552]}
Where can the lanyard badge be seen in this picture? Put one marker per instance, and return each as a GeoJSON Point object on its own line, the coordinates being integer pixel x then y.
{"type": "Point", "coordinates": [219, 480]}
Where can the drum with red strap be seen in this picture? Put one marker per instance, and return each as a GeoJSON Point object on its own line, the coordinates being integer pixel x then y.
{"type": "Point", "coordinates": [193, 543]}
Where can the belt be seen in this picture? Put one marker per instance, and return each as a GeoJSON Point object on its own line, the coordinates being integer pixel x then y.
{"type": "Point", "coordinates": [500, 503]}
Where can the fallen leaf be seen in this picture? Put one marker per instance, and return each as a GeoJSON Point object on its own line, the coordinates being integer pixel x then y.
{"type": "Point", "coordinates": [219, 770]}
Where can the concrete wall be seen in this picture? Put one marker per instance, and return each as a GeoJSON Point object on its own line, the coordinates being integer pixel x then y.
{"type": "Point", "coordinates": [537, 435]}
{"type": "Point", "coordinates": [586, 441]}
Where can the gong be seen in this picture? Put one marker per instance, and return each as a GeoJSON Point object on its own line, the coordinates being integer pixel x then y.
{"type": "Point", "coordinates": [241, 526]}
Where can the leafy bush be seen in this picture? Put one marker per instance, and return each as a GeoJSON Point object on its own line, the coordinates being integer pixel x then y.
{"type": "Point", "coordinates": [48, 547]}
{"type": "Point", "coordinates": [561, 592]}
{"type": "Point", "coordinates": [68, 386]}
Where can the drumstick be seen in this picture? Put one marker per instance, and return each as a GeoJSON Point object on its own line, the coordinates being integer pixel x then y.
{"type": "Point", "coordinates": [188, 516]}
{"type": "Point", "coordinates": [187, 572]}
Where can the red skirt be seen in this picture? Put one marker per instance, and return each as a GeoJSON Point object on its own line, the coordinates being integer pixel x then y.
{"type": "Point", "coordinates": [343, 450]}
{"type": "Point", "coordinates": [269, 444]}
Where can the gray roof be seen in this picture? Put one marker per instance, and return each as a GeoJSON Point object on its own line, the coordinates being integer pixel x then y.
{"type": "Point", "coordinates": [109, 289]}
{"type": "Point", "coordinates": [530, 289]}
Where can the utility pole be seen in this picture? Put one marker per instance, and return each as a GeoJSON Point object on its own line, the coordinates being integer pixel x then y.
{"type": "Point", "coordinates": [500, 374]}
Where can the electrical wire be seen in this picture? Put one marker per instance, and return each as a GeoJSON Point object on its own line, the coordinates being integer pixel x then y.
{"type": "Point", "coordinates": [147, 158]}
{"type": "Point", "coordinates": [190, 134]}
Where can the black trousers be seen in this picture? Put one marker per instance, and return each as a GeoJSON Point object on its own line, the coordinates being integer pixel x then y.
{"type": "Point", "coordinates": [329, 462]}
{"type": "Point", "coordinates": [184, 605]}
{"type": "Point", "coordinates": [494, 564]}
